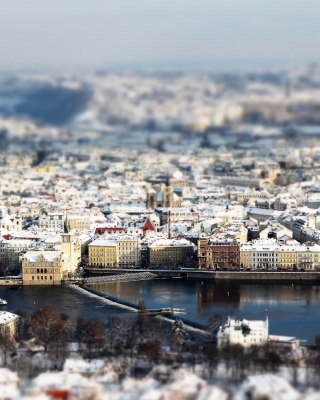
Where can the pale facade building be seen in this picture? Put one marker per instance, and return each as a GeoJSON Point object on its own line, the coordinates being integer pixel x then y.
{"type": "Point", "coordinates": [243, 332]}
{"type": "Point", "coordinates": [308, 257]}
{"type": "Point", "coordinates": [45, 267]}
{"type": "Point", "coordinates": [10, 222]}
{"type": "Point", "coordinates": [265, 254]}
{"type": "Point", "coordinates": [75, 221]}
{"type": "Point", "coordinates": [54, 221]}
{"type": "Point", "coordinates": [269, 254]}
{"type": "Point", "coordinates": [129, 251]}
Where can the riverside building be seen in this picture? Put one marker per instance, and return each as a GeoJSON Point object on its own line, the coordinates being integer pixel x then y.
{"type": "Point", "coordinates": [216, 253]}
{"type": "Point", "coordinates": [45, 267]}
{"type": "Point", "coordinates": [243, 332]}
{"type": "Point", "coordinates": [171, 252]}
{"type": "Point", "coordinates": [269, 254]}
{"type": "Point", "coordinates": [103, 253]}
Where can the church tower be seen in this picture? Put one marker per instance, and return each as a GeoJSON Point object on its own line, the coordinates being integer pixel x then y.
{"type": "Point", "coordinates": [168, 194]}
{"type": "Point", "coordinates": [18, 222]}
{"type": "Point", "coordinates": [151, 198]}
{"type": "Point", "coordinates": [67, 245]}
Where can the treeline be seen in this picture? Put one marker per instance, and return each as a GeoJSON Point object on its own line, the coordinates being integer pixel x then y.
{"type": "Point", "coordinates": [154, 340]}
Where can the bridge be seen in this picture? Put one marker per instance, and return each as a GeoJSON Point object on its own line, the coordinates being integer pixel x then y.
{"type": "Point", "coordinates": [238, 275]}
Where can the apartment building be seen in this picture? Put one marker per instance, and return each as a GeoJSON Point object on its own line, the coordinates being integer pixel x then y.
{"type": "Point", "coordinates": [246, 256]}
{"type": "Point", "coordinates": [103, 253]}
{"type": "Point", "coordinates": [170, 252]}
{"type": "Point", "coordinates": [218, 253]}
{"type": "Point", "coordinates": [176, 215]}
{"type": "Point", "coordinates": [129, 251]}
{"type": "Point", "coordinates": [77, 221]}
{"type": "Point", "coordinates": [308, 257]}
{"type": "Point", "coordinates": [288, 257]}
{"type": "Point", "coordinates": [271, 255]}
{"type": "Point", "coordinates": [12, 250]}
{"type": "Point", "coordinates": [54, 221]}
{"type": "Point", "coordinates": [265, 254]}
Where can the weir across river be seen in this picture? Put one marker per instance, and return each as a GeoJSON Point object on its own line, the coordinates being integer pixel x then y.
{"type": "Point", "coordinates": [294, 276]}
{"type": "Point", "coordinates": [115, 278]}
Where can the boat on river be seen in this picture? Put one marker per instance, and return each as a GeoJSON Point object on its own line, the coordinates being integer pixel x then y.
{"type": "Point", "coordinates": [3, 302]}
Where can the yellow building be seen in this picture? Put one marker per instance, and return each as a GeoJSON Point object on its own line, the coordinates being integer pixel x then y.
{"type": "Point", "coordinates": [245, 256]}
{"type": "Point", "coordinates": [44, 267]}
{"type": "Point", "coordinates": [103, 253]}
{"type": "Point", "coordinates": [43, 169]}
{"type": "Point", "coordinates": [288, 257]}
{"type": "Point", "coordinates": [171, 252]}
{"type": "Point", "coordinates": [74, 221]}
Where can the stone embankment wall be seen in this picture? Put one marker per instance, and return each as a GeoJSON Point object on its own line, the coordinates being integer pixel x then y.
{"type": "Point", "coordinates": [274, 276]}
{"type": "Point", "coordinates": [10, 282]}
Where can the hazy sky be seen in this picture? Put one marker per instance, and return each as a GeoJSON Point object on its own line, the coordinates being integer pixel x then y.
{"type": "Point", "coordinates": [98, 33]}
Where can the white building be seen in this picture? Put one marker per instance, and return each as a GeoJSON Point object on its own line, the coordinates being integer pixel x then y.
{"type": "Point", "coordinates": [243, 332]}
{"type": "Point", "coordinates": [54, 221]}
{"type": "Point", "coordinates": [129, 251]}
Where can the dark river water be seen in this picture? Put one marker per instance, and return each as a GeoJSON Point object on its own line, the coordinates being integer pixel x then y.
{"type": "Point", "coordinates": [292, 309]}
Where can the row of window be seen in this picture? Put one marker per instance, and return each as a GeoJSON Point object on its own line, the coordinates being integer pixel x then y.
{"type": "Point", "coordinates": [42, 278]}
{"type": "Point", "coordinates": [40, 270]}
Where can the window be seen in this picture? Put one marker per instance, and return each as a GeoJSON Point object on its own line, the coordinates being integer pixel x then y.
{"type": "Point", "coordinates": [50, 278]}
{"type": "Point", "coordinates": [33, 278]}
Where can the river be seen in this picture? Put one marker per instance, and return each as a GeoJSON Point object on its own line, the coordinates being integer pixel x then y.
{"type": "Point", "coordinates": [293, 310]}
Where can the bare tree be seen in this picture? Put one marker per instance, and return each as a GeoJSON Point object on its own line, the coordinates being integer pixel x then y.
{"type": "Point", "coordinates": [152, 350]}
{"type": "Point", "coordinates": [211, 356]}
{"type": "Point", "coordinates": [214, 324]}
{"type": "Point", "coordinates": [121, 333]}
{"type": "Point", "coordinates": [79, 332]}
{"type": "Point", "coordinates": [47, 326]}
{"type": "Point", "coordinates": [143, 315]}
{"type": "Point", "coordinates": [94, 337]}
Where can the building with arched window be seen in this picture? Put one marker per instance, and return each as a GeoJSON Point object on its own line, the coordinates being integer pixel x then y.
{"type": "Point", "coordinates": [45, 267]}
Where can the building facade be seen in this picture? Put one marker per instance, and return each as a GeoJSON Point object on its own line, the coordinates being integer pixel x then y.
{"type": "Point", "coordinates": [243, 332]}
{"type": "Point", "coordinates": [218, 254]}
{"type": "Point", "coordinates": [129, 251]}
{"type": "Point", "coordinates": [45, 267]}
{"type": "Point", "coordinates": [103, 253]}
{"type": "Point", "coordinates": [170, 252]}
{"type": "Point", "coordinates": [54, 221]}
